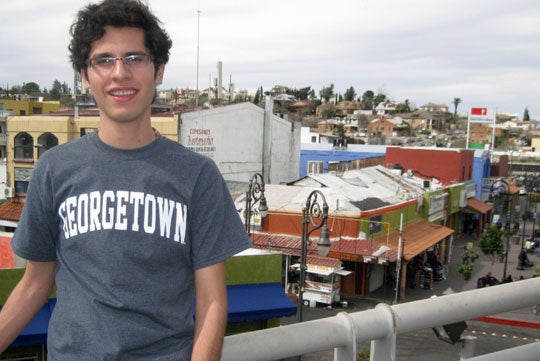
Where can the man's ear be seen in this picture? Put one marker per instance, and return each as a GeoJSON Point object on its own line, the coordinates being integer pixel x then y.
{"type": "Point", "coordinates": [84, 77]}
{"type": "Point", "coordinates": [159, 74]}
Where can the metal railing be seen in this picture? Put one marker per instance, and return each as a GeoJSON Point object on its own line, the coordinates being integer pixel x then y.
{"type": "Point", "coordinates": [382, 324]}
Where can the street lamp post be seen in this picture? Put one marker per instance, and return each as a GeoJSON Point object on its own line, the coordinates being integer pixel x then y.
{"type": "Point", "coordinates": [254, 194]}
{"type": "Point", "coordinates": [508, 211]}
{"type": "Point", "coordinates": [314, 214]}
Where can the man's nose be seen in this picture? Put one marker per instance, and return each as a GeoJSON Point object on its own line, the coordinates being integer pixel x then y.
{"type": "Point", "coordinates": [120, 69]}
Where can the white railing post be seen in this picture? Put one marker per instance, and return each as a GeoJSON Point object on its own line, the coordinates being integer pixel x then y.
{"type": "Point", "coordinates": [384, 349]}
{"type": "Point", "coordinates": [347, 352]}
{"type": "Point", "coordinates": [467, 347]}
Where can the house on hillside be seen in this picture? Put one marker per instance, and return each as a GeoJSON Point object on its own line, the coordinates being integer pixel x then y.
{"type": "Point", "coordinates": [387, 127]}
{"type": "Point", "coordinates": [385, 107]}
{"type": "Point", "coordinates": [346, 107]}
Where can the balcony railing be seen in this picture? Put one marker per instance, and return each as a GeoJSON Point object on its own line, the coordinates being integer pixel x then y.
{"type": "Point", "coordinates": [382, 324]}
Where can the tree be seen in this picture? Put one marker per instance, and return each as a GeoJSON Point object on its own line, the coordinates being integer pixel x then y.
{"type": "Point", "coordinates": [57, 90]}
{"type": "Point", "coordinates": [526, 117]}
{"type": "Point", "coordinates": [363, 121]}
{"type": "Point", "coordinates": [327, 93]}
{"type": "Point", "coordinates": [339, 131]}
{"type": "Point", "coordinates": [16, 89]}
{"type": "Point", "coordinates": [257, 97]}
{"type": "Point", "coordinates": [350, 94]}
{"type": "Point", "coordinates": [30, 88]}
{"type": "Point", "coordinates": [301, 94]}
{"type": "Point", "coordinates": [491, 242]}
{"type": "Point", "coordinates": [404, 107]}
{"type": "Point", "coordinates": [329, 111]}
{"type": "Point", "coordinates": [367, 100]}
{"type": "Point", "coordinates": [379, 98]}
{"type": "Point", "coordinates": [456, 102]}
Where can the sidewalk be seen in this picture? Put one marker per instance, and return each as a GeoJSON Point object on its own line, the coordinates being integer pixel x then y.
{"type": "Point", "coordinates": [455, 283]}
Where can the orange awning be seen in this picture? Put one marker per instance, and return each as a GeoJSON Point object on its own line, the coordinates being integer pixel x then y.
{"type": "Point", "coordinates": [417, 237]}
{"type": "Point", "coordinates": [478, 206]}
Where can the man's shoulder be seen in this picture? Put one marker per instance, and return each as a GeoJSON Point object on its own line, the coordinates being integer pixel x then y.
{"type": "Point", "coordinates": [70, 148]}
{"type": "Point", "coordinates": [176, 149]}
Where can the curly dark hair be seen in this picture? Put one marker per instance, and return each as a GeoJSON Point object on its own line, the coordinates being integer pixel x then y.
{"type": "Point", "coordinates": [91, 21]}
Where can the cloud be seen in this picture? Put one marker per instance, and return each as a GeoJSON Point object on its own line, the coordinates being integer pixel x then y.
{"type": "Point", "coordinates": [484, 51]}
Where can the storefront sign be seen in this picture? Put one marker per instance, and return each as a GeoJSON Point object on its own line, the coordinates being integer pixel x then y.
{"type": "Point", "coordinates": [344, 256]}
{"type": "Point", "coordinates": [201, 140]}
{"type": "Point", "coordinates": [436, 207]}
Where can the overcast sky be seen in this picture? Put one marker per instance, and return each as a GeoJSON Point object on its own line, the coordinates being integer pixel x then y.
{"type": "Point", "coordinates": [485, 52]}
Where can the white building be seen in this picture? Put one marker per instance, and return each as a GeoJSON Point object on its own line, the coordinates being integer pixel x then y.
{"type": "Point", "coordinates": [244, 139]}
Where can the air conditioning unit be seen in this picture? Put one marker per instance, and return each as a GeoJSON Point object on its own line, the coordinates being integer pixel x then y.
{"type": "Point", "coordinates": [9, 192]}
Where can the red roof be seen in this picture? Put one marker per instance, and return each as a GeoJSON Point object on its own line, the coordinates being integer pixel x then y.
{"type": "Point", "coordinates": [11, 211]}
{"type": "Point", "coordinates": [343, 249]}
{"type": "Point", "coordinates": [7, 258]}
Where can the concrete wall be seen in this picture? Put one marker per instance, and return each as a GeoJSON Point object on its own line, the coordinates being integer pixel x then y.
{"type": "Point", "coordinates": [244, 139]}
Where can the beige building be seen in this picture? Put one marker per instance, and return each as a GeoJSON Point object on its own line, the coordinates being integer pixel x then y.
{"type": "Point", "coordinates": [29, 107]}
{"type": "Point", "coordinates": [28, 137]}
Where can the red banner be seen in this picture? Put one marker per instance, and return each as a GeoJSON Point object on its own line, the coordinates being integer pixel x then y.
{"type": "Point", "coordinates": [478, 111]}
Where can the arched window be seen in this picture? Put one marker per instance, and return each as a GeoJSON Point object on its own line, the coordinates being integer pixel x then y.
{"type": "Point", "coordinates": [45, 142]}
{"type": "Point", "coordinates": [24, 146]}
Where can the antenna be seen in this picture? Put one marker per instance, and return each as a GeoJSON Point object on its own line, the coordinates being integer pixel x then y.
{"type": "Point", "coordinates": [198, 38]}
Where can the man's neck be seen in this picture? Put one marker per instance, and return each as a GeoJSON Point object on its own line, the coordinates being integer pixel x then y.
{"type": "Point", "coordinates": [127, 136]}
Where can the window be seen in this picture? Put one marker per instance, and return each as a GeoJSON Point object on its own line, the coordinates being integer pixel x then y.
{"type": "Point", "coordinates": [24, 146]}
{"type": "Point", "coordinates": [22, 178]}
{"type": "Point", "coordinates": [45, 142]}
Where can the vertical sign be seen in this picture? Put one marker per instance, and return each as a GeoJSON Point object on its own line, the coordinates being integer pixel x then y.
{"type": "Point", "coordinates": [482, 115]}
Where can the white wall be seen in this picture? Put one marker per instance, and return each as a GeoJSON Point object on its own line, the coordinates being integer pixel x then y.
{"type": "Point", "coordinates": [307, 134]}
{"type": "Point", "coordinates": [3, 179]}
{"type": "Point", "coordinates": [233, 136]}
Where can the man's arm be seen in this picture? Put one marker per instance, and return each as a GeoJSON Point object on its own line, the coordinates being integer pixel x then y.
{"type": "Point", "coordinates": [210, 312]}
{"type": "Point", "coordinates": [26, 300]}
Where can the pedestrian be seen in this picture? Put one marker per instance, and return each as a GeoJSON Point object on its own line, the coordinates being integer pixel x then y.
{"type": "Point", "coordinates": [131, 227]}
{"type": "Point", "coordinates": [466, 257]}
{"type": "Point", "coordinates": [292, 280]}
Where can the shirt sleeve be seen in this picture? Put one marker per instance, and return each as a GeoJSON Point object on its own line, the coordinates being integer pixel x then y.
{"type": "Point", "coordinates": [216, 229]}
{"type": "Point", "coordinates": [35, 236]}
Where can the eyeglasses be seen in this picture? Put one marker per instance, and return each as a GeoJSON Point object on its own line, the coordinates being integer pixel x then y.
{"type": "Point", "coordinates": [136, 61]}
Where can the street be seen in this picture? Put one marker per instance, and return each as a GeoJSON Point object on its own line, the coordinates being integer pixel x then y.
{"type": "Point", "coordinates": [423, 345]}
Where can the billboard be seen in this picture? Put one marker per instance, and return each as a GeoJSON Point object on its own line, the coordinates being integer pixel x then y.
{"type": "Point", "coordinates": [482, 115]}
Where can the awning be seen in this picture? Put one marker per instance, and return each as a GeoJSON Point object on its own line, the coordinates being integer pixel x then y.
{"type": "Point", "coordinates": [251, 302]}
{"type": "Point", "coordinates": [478, 206]}
{"type": "Point", "coordinates": [417, 237]}
{"type": "Point", "coordinates": [261, 301]}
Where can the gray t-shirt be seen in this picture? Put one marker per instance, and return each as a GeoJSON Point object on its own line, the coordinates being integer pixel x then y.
{"type": "Point", "coordinates": [127, 229]}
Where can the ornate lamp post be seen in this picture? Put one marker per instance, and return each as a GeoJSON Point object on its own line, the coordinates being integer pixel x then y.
{"type": "Point", "coordinates": [508, 211]}
{"type": "Point", "coordinates": [254, 194]}
{"type": "Point", "coordinates": [314, 214]}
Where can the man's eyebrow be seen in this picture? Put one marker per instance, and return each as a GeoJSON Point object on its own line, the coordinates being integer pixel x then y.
{"type": "Point", "coordinates": [110, 55]}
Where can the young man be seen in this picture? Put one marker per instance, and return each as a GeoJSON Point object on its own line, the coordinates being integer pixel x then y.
{"type": "Point", "coordinates": [132, 227]}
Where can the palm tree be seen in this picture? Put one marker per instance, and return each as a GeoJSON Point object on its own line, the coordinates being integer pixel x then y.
{"type": "Point", "coordinates": [456, 103]}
